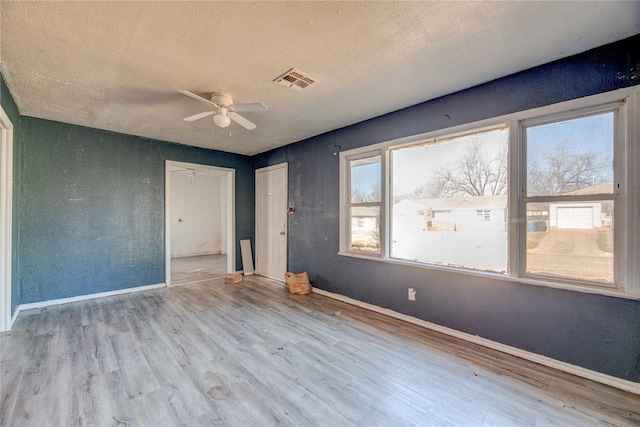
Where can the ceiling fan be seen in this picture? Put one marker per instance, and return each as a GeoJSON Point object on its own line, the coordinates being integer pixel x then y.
{"type": "Point", "coordinates": [224, 110]}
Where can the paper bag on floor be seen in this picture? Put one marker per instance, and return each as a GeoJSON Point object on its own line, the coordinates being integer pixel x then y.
{"type": "Point", "coordinates": [233, 278]}
{"type": "Point", "coordinates": [298, 283]}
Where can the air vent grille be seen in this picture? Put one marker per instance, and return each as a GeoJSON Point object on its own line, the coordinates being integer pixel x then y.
{"type": "Point", "coordinates": [295, 79]}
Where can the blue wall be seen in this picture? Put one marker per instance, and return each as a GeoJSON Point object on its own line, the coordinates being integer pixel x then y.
{"type": "Point", "coordinates": [596, 332]}
{"type": "Point", "coordinates": [89, 217]}
{"type": "Point", "coordinates": [89, 207]}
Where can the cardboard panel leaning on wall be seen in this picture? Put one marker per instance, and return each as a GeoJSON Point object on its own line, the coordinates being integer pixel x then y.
{"type": "Point", "coordinates": [91, 216]}
{"type": "Point", "coordinates": [588, 330]}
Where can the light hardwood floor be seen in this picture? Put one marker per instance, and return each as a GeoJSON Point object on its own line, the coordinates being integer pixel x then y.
{"type": "Point", "coordinates": [252, 354]}
{"type": "Point", "coordinates": [197, 268]}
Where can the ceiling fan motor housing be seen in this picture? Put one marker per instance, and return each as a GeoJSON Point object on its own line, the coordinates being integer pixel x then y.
{"type": "Point", "coordinates": [221, 99]}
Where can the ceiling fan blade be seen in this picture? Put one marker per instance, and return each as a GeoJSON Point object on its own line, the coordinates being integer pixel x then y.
{"type": "Point", "coordinates": [197, 116]}
{"type": "Point", "coordinates": [242, 121]}
{"type": "Point", "coordinates": [252, 106]}
{"type": "Point", "coordinates": [198, 98]}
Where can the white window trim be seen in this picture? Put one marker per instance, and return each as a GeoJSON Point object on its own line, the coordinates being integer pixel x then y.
{"type": "Point", "coordinates": [6, 219]}
{"type": "Point", "coordinates": [345, 224]}
{"type": "Point", "coordinates": [619, 109]}
{"type": "Point", "coordinates": [626, 248]}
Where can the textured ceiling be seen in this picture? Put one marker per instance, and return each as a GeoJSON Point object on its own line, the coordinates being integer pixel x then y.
{"type": "Point", "coordinates": [118, 66]}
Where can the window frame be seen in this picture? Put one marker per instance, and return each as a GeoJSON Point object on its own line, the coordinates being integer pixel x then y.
{"type": "Point", "coordinates": [346, 203]}
{"type": "Point", "coordinates": [445, 137]}
{"type": "Point", "coordinates": [626, 174]}
{"type": "Point", "coordinates": [619, 181]}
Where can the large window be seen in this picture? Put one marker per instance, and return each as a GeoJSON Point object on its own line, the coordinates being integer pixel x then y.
{"type": "Point", "coordinates": [547, 196]}
{"type": "Point", "coordinates": [450, 201]}
{"type": "Point", "coordinates": [570, 198]}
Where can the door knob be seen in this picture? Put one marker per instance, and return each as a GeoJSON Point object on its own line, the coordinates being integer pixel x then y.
{"type": "Point", "coordinates": [282, 233]}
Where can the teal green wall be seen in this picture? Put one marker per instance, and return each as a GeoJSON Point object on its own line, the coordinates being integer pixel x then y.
{"type": "Point", "coordinates": [90, 208]}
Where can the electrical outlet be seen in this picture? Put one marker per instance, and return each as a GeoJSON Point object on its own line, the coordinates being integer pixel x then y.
{"type": "Point", "coordinates": [412, 294]}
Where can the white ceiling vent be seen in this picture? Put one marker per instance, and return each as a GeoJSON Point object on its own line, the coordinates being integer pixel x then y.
{"type": "Point", "coordinates": [295, 79]}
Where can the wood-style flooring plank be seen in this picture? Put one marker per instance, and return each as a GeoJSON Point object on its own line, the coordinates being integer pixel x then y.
{"type": "Point", "coordinates": [250, 353]}
{"type": "Point", "coordinates": [11, 375]}
{"type": "Point", "coordinates": [183, 397]}
{"type": "Point", "coordinates": [137, 376]}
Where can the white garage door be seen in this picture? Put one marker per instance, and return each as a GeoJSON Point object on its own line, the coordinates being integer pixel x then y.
{"type": "Point", "coordinates": [581, 217]}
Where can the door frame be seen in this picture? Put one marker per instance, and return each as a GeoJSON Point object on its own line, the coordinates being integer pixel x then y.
{"type": "Point", "coordinates": [231, 217]}
{"type": "Point", "coordinates": [6, 218]}
{"type": "Point", "coordinates": [284, 166]}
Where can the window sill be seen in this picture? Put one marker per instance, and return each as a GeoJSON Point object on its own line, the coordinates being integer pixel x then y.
{"type": "Point", "coordinates": [610, 292]}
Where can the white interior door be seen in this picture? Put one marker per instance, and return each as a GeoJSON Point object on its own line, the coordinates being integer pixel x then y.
{"type": "Point", "coordinates": [271, 221]}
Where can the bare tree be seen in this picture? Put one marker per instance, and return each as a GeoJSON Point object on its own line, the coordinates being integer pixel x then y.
{"type": "Point", "coordinates": [374, 194]}
{"type": "Point", "coordinates": [422, 192]}
{"type": "Point", "coordinates": [558, 171]}
{"type": "Point", "coordinates": [474, 174]}
{"type": "Point", "coordinates": [561, 171]}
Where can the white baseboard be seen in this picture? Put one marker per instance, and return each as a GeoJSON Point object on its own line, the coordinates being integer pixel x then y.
{"type": "Point", "coordinates": [177, 285]}
{"type": "Point", "coordinates": [14, 317]}
{"type": "Point", "coordinates": [276, 279]}
{"type": "Point", "coordinates": [609, 380]}
{"type": "Point", "coordinates": [49, 303]}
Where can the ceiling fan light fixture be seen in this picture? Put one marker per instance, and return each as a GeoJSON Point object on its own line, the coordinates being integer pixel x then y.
{"type": "Point", "coordinates": [221, 118]}
{"type": "Point", "coordinates": [224, 110]}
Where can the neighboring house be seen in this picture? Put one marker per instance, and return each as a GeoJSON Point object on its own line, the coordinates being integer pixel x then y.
{"type": "Point", "coordinates": [605, 188]}
{"type": "Point", "coordinates": [451, 213]}
{"type": "Point", "coordinates": [408, 217]}
{"type": "Point", "coordinates": [465, 213]}
{"type": "Point", "coordinates": [364, 227]}
{"type": "Point", "coordinates": [576, 215]}
{"type": "Point", "coordinates": [581, 215]}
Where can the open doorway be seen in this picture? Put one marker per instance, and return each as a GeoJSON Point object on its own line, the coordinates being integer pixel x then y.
{"type": "Point", "coordinates": [199, 222]}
